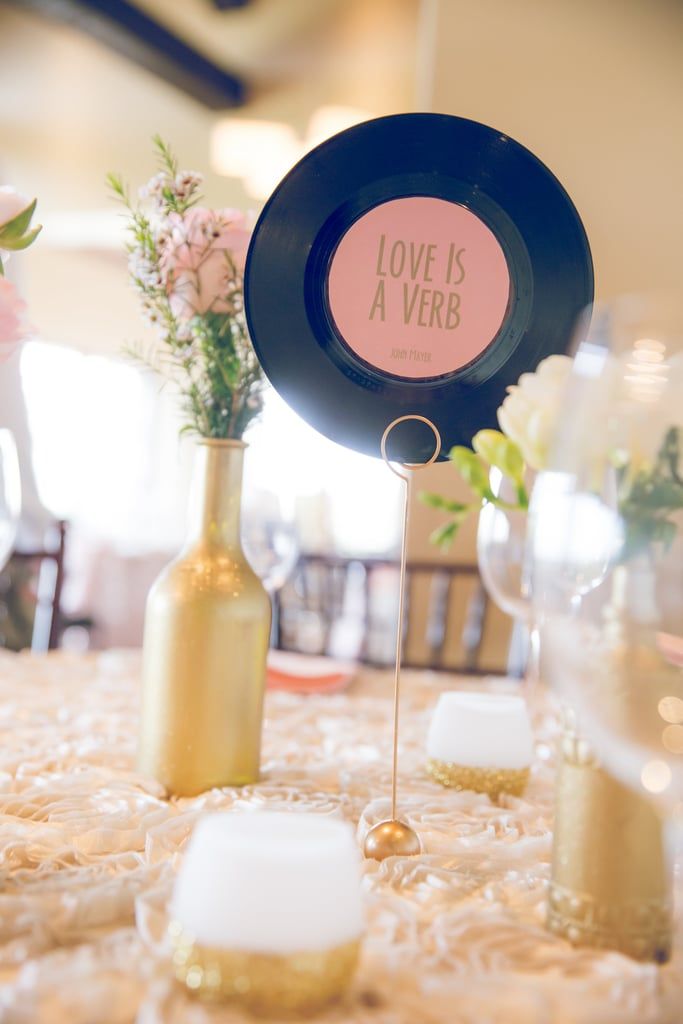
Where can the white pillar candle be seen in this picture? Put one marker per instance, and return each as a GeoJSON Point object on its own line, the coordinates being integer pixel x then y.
{"type": "Point", "coordinates": [259, 893]}
{"type": "Point", "coordinates": [480, 741]}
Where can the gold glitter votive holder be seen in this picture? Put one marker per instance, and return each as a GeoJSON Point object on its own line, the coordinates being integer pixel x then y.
{"type": "Point", "coordinates": [480, 742]}
{"type": "Point", "coordinates": [263, 983]}
{"type": "Point", "coordinates": [492, 781]}
{"type": "Point", "coordinates": [267, 911]}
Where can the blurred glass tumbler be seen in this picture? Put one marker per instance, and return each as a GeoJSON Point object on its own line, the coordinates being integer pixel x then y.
{"type": "Point", "coordinates": [480, 741]}
{"type": "Point", "coordinates": [267, 911]}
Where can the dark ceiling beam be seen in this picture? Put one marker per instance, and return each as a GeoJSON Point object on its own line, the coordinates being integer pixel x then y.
{"type": "Point", "coordinates": [131, 32]}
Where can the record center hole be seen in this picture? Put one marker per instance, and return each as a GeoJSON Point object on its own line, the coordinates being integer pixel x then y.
{"type": "Point", "coordinates": [410, 441]}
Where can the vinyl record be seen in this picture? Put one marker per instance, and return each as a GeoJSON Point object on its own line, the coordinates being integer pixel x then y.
{"type": "Point", "coordinates": [414, 264]}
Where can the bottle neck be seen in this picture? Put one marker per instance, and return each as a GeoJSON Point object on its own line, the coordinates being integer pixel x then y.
{"type": "Point", "coordinates": [214, 516]}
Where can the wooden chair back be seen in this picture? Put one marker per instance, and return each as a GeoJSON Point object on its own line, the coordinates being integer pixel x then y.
{"type": "Point", "coordinates": [347, 607]}
{"type": "Point", "coordinates": [47, 622]}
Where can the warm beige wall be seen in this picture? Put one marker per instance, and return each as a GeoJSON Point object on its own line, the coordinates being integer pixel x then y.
{"type": "Point", "coordinates": [71, 109]}
{"type": "Point", "coordinates": [595, 89]}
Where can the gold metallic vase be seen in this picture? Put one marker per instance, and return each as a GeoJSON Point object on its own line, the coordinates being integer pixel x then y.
{"type": "Point", "coordinates": [207, 627]}
{"type": "Point", "coordinates": [610, 885]}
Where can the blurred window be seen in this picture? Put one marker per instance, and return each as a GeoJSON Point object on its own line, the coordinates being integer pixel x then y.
{"type": "Point", "coordinates": [107, 456]}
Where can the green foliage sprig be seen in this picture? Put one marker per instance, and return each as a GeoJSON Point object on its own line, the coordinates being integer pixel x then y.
{"type": "Point", "coordinates": [490, 449]}
{"type": "Point", "coordinates": [17, 234]}
{"type": "Point", "coordinates": [650, 497]}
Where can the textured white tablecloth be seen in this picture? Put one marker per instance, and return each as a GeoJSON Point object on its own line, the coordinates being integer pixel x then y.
{"type": "Point", "coordinates": [88, 849]}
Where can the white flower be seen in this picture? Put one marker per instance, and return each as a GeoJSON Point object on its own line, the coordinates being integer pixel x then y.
{"type": "Point", "coordinates": [184, 185]}
{"type": "Point", "coordinates": [154, 187]}
{"type": "Point", "coordinates": [143, 272]}
{"type": "Point", "coordinates": [529, 413]}
{"type": "Point", "coordinates": [621, 411]}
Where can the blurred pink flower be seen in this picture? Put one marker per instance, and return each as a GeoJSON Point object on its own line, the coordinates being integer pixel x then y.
{"type": "Point", "coordinates": [12, 326]}
{"type": "Point", "coordinates": [202, 259]}
{"type": "Point", "coordinates": [11, 203]}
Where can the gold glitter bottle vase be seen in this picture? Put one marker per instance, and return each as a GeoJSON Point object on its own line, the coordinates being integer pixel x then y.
{"type": "Point", "coordinates": [207, 627]}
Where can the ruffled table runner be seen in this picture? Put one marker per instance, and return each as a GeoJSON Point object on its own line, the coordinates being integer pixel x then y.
{"type": "Point", "coordinates": [89, 849]}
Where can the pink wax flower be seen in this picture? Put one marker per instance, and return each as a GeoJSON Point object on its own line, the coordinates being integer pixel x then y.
{"type": "Point", "coordinates": [187, 264]}
{"type": "Point", "coordinates": [12, 326]}
{"type": "Point", "coordinates": [202, 260]}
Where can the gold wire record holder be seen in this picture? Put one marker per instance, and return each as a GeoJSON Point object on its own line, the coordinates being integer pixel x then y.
{"type": "Point", "coordinates": [394, 837]}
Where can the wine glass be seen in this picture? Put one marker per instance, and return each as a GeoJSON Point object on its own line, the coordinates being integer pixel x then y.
{"type": "Point", "coordinates": [269, 538]}
{"type": "Point", "coordinates": [504, 564]}
{"type": "Point", "coordinates": [10, 495]}
{"type": "Point", "coordinates": [510, 542]}
{"type": "Point", "coordinates": [613, 517]}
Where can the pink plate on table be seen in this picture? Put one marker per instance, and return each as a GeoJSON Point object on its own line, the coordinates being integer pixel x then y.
{"type": "Point", "coordinates": [305, 673]}
{"type": "Point", "coordinates": [308, 674]}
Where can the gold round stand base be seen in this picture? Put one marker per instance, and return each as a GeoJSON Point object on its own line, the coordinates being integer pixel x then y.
{"type": "Point", "coordinates": [492, 781]}
{"type": "Point", "coordinates": [391, 839]}
{"type": "Point", "coordinates": [263, 983]}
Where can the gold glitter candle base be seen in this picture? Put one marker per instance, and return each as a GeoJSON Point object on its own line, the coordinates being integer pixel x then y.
{"type": "Point", "coordinates": [264, 983]}
{"type": "Point", "coordinates": [493, 781]}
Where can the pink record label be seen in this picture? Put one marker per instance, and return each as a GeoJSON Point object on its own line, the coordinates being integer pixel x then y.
{"type": "Point", "coordinates": [418, 287]}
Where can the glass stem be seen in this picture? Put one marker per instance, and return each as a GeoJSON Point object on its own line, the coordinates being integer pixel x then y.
{"type": "Point", "coordinates": [532, 674]}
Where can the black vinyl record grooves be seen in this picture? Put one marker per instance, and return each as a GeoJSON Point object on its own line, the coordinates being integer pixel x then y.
{"type": "Point", "coordinates": [413, 264]}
